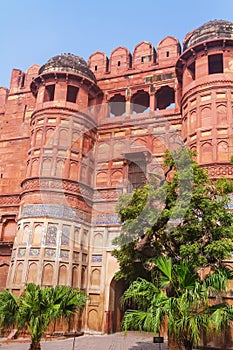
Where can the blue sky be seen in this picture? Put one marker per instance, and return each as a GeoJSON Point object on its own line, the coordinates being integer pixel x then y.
{"type": "Point", "coordinates": [32, 31]}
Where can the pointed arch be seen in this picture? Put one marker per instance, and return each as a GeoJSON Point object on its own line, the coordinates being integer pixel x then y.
{"type": "Point", "coordinates": [62, 275]}
{"type": "Point", "coordinates": [116, 178]}
{"type": "Point", "coordinates": [139, 142]}
{"type": "Point", "coordinates": [206, 152]}
{"type": "Point", "coordinates": [74, 170]}
{"type": "Point", "coordinates": [95, 277]}
{"type": "Point", "coordinates": [26, 234]}
{"type": "Point", "coordinates": [98, 241]}
{"type": "Point", "coordinates": [37, 235]}
{"type": "Point", "coordinates": [221, 110]}
{"type": "Point", "coordinates": [158, 145]}
{"type": "Point", "coordinates": [101, 179]}
{"type": "Point", "coordinates": [32, 273]}
{"type": "Point", "coordinates": [223, 151]}
{"type": "Point", "coordinates": [93, 320]}
{"type": "Point", "coordinates": [47, 275]}
{"type": "Point", "coordinates": [18, 273]}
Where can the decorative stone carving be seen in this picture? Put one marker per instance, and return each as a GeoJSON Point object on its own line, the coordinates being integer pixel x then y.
{"type": "Point", "coordinates": [34, 252]}
{"type": "Point", "coordinates": [51, 235]}
{"type": "Point", "coordinates": [21, 252]}
{"type": "Point", "coordinates": [55, 184]}
{"type": "Point", "coordinates": [96, 258]}
{"type": "Point", "coordinates": [105, 219]}
{"type": "Point", "coordinates": [11, 200]}
{"type": "Point", "coordinates": [50, 253]}
{"type": "Point", "coordinates": [56, 211]}
{"type": "Point", "coordinates": [107, 194]}
{"type": "Point", "coordinates": [64, 254]}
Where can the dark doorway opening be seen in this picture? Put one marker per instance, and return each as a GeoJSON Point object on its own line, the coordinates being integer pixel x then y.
{"type": "Point", "coordinates": [116, 312]}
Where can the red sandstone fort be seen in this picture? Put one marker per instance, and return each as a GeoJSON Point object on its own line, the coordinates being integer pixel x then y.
{"type": "Point", "coordinates": [75, 135]}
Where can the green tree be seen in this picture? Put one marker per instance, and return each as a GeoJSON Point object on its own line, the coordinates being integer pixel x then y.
{"type": "Point", "coordinates": [38, 307]}
{"type": "Point", "coordinates": [181, 297]}
{"type": "Point", "coordinates": [9, 310]}
{"type": "Point", "coordinates": [183, 216]}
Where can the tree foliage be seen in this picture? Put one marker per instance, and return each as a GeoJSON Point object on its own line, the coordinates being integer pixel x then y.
{"type": "Point", "coordinates": [181, 296]}
{"type": "Point", "coordinates": [176, 234]}
{"type": "Point", "coordinates": [183, 216]}
{"type": "Point", "coordinates": [37, 307]}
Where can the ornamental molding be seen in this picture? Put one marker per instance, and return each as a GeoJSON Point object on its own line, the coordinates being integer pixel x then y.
{"type": "Point", "coordinates": [56, 185]}
{"type": "Point", "coordinates": [220, 170]}
{"type": "Point", "coordinates": [209, 85]}
{"type": "Point", "coordinates": [10, 200]}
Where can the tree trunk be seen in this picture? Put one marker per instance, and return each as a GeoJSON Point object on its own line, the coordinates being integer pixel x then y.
{"type": "Point", "coordinates": [172, 343]}
{"type": "Point", "coordinates": [35, 345]}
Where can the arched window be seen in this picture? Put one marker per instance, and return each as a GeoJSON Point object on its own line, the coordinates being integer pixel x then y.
{"type": "Point", "coordinates": [140, 101]}
{"type": "Point", "coordinates": [165, 97]}
{"type": "Point", "coordinates": [49, 92]}
{"type": "Point", "coordinates": [117, 105]}
{"type": "Point", "coordinates": [72, 93]}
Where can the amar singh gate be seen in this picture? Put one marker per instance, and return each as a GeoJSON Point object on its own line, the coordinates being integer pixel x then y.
{"type": "Point", "coordinates": [75, 135]}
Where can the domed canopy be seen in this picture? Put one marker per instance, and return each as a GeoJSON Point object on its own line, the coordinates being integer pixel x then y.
{"type": "Point", "coordinates": [68, 62]}
{"type": "Point", "coordinates": [209, 31]}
